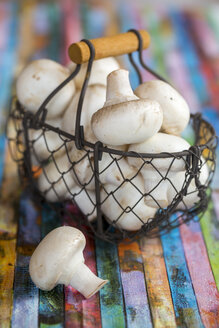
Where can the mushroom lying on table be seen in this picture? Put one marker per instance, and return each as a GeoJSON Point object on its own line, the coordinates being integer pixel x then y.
{"type": "Point", "coordinates": [124, 118]}
{"type": "Point", "coordinates": [38, 80]}
{"type": "Point", "coordinates": [175, 109]}
{"type": "Point", "coordinates": [58, 259]}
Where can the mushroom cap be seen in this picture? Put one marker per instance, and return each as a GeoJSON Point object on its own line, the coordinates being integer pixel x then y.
{"type": "Point", "coordinates": [100, 69]}
{"type": "Point", "coordinates": [38, 80]}
{"type": "Point", "coordinates": [127, 122]}
{"type": "Point", "coordinates": [93, 100]}
{"type": "Point", "coordinates": [160, 143]}
{"type": "Point", "coordinates": [49, 260]}
{"type": "Point", "coordinates": [175, 109]}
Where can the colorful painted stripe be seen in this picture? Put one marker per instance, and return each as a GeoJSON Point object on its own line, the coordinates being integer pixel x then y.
{"type": "Point", "coordinates": [209, 225]}
{"type": "Point", "coordinates": [26, 294]}
{"type": "Point", "coordinates": [78, 310]}
{"type": "Point", "coordinates": [8, 231]}
{"type": "Point", "coordinates": [51, 303]}
{"type": "Point", "coordinates": [184, 300]}
{"type": "Point", "coordinates": [111, 296]}
{"type": "Point", "coordinates": [133, 283]}
{"type": "Point", "coordinates": [157, 283]}
{"type": "Point", "coordinates": [204, 285]}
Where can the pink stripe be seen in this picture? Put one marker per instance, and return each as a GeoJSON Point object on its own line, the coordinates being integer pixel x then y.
{"type": "Point", "coordinates": [207, 42]}
{"type": "Point", "coordinates": [4, 24]}
{"type": "Point", "coordinates": [72, 26]}
{"type": "Point", "coordinates": [203, 281]}
{"type": "Point", "coordinates": [78, 310]}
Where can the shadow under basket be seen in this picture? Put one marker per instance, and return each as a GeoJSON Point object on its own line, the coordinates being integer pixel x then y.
{"type": "Point", "coordinates": [95, 177]}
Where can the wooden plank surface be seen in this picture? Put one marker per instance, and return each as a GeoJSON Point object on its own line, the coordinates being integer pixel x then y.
{"type": "Point", "coordinates": [170, 281]}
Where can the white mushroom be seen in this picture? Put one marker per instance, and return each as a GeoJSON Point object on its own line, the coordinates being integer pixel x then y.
{"type": "Point", "coordinates": [125, 118]}
{"type": "Point", "coordinates": [56, 179]}
{"type": "Point", "coordinates": [113, 169]}
{"type": "Point", "coordinates": [58, 259]}
{"type": "Point", "coordinates": [100, 69]}
{"type": "Point", "coordinates": [125, 207]}
{"type": "Point", "coordinates": [38, 80]}
{"type": "Point", "coordinates": [45, 141]}
{"type": "Point", "coordinates": [83, 168]}
{"type": "Point", "coordinates": [85, 199]}
{"type": "Point", "coordinates": [159, 173]}
{"type": "Point", "coordinates": [94, 99]}
{"type": "Point", "coordinates": [175, 108]}
{"type": "Point", "coordinates": [192, 193]}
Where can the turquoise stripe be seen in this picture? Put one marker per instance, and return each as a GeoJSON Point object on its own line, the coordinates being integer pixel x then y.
{"type": "Point", "coordinates": [191, 58]}
{"type": "Point", "coordinates": [8, 60]}
{"type": "Point", "coordinates": [7, 64]}
{"type": "Point", "coordinates": [184, 300]}
{"type": "Point", "coordinates": [26, 298]}
{"type": "Point", "coordinates": [127, 23]}
{"type": "Point", "coordinates": [54, 46]}
{"type": "Point", "coordinates": [111, 295]}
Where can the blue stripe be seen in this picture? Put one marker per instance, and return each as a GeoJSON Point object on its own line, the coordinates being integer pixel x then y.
{"type": "Point", "coordinates": [190, 55]}
{"type": "Point", "coordinates": [184, 300]}
{"type": "Point", "coordinates": [25, 301]}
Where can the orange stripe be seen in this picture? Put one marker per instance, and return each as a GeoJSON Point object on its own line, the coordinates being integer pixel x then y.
{"type": "Point", "coordinates": [157, 283]}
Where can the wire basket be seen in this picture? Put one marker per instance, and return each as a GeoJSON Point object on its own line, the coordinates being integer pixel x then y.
{"type": "Point", "coordinates": [90, 165]}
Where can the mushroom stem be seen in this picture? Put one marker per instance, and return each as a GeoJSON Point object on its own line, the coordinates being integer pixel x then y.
{"type": "Point", "coordinates": [85, 281]}
{"type": "Point", "coordinates": [119, 88]}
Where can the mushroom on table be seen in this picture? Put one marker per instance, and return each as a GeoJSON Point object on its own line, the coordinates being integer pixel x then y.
{"type": "Point", "coordinates": [58, 259]}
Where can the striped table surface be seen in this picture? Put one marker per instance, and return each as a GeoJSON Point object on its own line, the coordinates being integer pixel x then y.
{"type": "Point", "coordinates": [171, 281]}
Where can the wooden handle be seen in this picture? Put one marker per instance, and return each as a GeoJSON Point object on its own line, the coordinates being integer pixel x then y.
{"type": "Point", "coordinates": [119, 44]}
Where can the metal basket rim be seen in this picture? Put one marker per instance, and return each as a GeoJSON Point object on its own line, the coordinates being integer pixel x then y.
{"type": "Point", "coordinates": [106, 149]}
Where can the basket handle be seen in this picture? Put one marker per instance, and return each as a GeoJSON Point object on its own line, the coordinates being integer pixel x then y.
{"type": "Point", "coordinates": [116, 45]}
